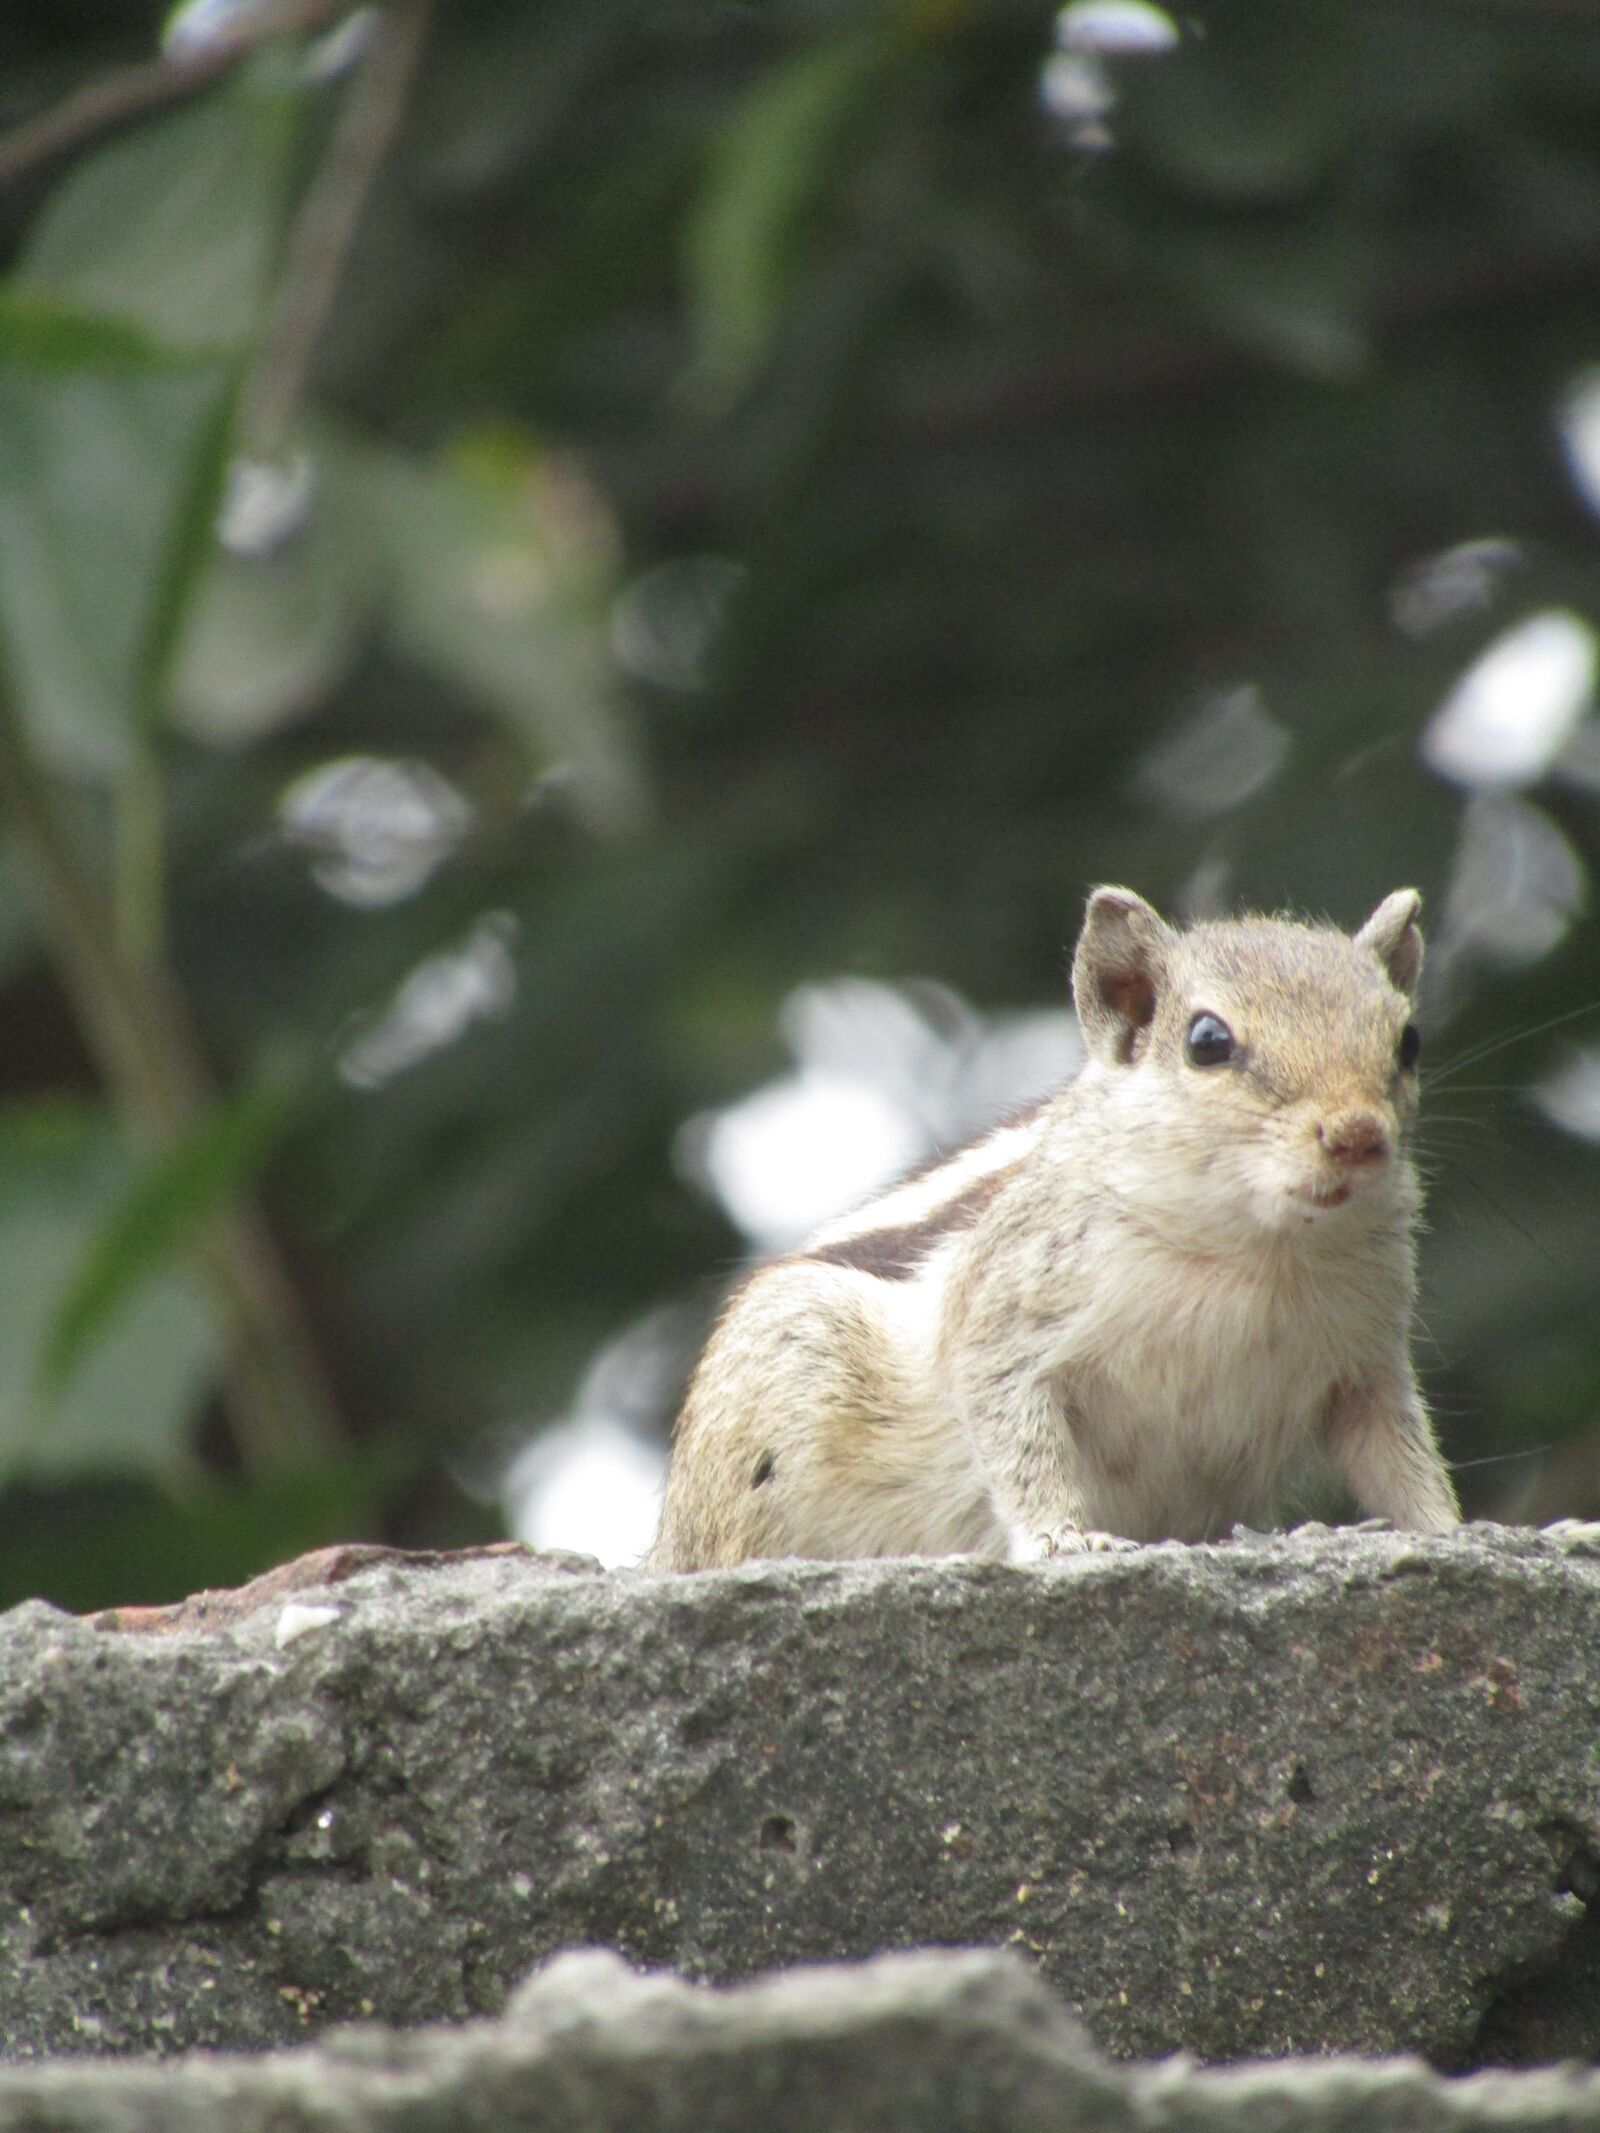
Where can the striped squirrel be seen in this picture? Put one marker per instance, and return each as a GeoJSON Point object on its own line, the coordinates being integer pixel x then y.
{"type": "Point", "coordinates": [1132, 1314]}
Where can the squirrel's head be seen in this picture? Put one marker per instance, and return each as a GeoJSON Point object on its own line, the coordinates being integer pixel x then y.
{"type": "Point", "coordinates": [1274, 1060]}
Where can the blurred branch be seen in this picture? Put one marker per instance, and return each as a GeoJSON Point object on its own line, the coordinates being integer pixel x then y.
{"type": "Point", "coordinates": [324, 229]}
{"type": "Point", "coordinates": [138, 1026]}
{"type": "Point", "coordinates": [137, 896]}
{"type": "Point", "coordinates": [128, 94]}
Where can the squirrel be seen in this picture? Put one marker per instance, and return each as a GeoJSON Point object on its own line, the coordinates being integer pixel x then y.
{"type": "Point", "coordinates": [1131, 1314]}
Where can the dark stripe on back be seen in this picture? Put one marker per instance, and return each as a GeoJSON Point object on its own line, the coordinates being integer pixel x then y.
{"type": "Point", "coordinates": [895, 1254]}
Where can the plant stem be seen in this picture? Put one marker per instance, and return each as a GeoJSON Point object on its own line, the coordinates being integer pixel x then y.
{"type": "Point", "coordinates": [137, 891]}
{"type": "Point", "coordinates": [137, 1024]}
{"type": "Point", "coordinates": [325, 226]}
{"type": "Point", "coordinates": [116, 100]}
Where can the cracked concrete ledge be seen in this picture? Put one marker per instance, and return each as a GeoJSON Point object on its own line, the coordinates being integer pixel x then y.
{"type": "Point", "coordinates": [941, 2042]}
{"type": "Point", "coordinates": [1317, 1792]}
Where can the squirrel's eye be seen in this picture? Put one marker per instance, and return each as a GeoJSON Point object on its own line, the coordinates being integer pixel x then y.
{"type": "Point", "coordinates": [1410, 1047]}
{"type": "Point", "coordinates": [1210, 1041]}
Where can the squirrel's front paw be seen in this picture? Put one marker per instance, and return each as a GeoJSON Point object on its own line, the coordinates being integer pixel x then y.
{"type": "Point", "coordinates": [1068, 1540]}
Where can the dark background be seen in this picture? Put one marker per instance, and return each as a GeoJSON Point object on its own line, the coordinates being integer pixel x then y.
{"type": "Point", "coordinates": [789, 471]}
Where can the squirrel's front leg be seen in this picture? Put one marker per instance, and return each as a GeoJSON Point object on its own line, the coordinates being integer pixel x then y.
{"type": "Point", "coordinates": [1023, 1437]}
{"type": "Point", "coordinates": [1381, 1441]}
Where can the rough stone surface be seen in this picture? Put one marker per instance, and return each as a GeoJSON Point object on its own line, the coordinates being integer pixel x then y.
{"type": "Point", "coordinates": [1319, 1792]}
{"type": "Point", "coordinates": [942, 2042]}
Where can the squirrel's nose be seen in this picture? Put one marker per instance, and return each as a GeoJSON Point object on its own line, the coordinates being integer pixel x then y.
{"type": "Point", "coordinates": [1354, 1137]}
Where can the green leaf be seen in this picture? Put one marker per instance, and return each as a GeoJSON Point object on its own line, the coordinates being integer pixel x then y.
{"type": "Point", "coordinates": [190, 549]}
{"type": "Point", "coordinates": [154, 1220]}
{"type": "Point", "coordinates": [1260, 109]}
{"type": "Point", "coordinates": [112, 454]}
{"type": "Point", "coordinates": [266, 636]}
{"type": "Point", "coordinates": [98, 472]}
{"type": "Point", "coordinates": [769, 176]}
{"type": "Point", "coordinates": [130, 1406]}
{"type": "Point", "coordinates": [40, 334]}
{"type": "Point", "coordinates": [1303, 304]}
{"type": "Point", "coordinates": [499, 563]}
{"type": "Point", "coordinates": [174, 227]}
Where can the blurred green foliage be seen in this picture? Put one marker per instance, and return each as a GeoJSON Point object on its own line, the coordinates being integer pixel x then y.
{"type": "Point", "coordinates": [996, 453]}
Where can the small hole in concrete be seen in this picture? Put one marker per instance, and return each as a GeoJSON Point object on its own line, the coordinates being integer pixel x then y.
{"type": "Point", "coordinates": [777, 1834]}
{"type": "Point", "coordinates": [1299, 1787]}
{"type": "Point", "coordinates": [1576, 1862]}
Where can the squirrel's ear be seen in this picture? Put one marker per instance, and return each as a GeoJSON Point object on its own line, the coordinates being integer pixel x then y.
{"type": "Point", "coordinates": [1118, 971]}
{"type": "Point", "coordinates": [1391, 933]}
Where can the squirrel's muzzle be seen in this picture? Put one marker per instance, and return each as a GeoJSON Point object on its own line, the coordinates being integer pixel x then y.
{"type": "Point", "coordinates": [1355, 1138]}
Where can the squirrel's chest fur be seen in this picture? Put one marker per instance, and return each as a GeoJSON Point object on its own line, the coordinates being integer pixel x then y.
{"type": "Point", "coordinates": [1192, 1385]}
